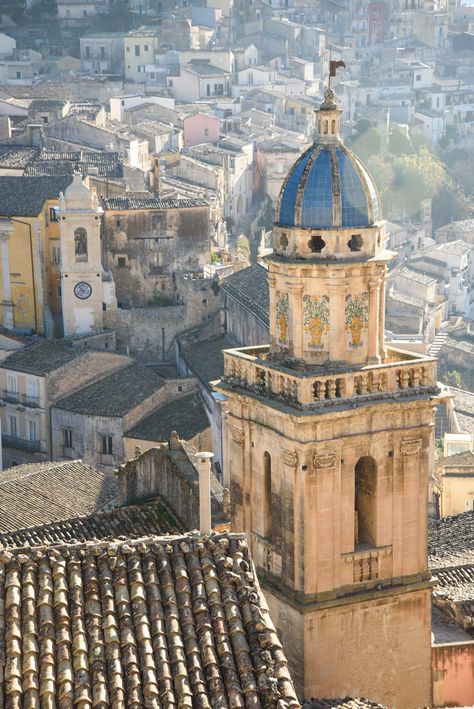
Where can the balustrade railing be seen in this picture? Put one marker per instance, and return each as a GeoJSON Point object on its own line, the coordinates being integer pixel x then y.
{"type": "Point", "coordinates": [247, 368]}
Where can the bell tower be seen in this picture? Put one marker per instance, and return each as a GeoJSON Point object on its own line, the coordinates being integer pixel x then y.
{"type": "Point", "coordinates": [328, 443]}
{"type": "Point", "coordinates": [81, 265]}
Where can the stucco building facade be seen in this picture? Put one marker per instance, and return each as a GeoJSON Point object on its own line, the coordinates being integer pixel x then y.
{"type": "Point", "coordinates": [328, 443]}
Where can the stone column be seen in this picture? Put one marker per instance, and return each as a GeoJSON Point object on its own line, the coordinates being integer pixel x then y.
{"type": "Point", "coordinates": [337, 345]}
{"type": "Point", "coordinates": [374, 317]}
{"type": "Point", "coordinates": [204, 468]}
{"type": "Point", "coordinates": [6, 230]}
{"type": "Point", "coordinates": [383, 285]}
{"type": "Point", "coordinates": [295, 321]}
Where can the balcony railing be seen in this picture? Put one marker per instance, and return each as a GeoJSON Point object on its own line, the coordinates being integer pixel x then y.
{"type": "Point", "coordinates": [23, 444]}
{"type": "Point", "coordinates": [14, 397]}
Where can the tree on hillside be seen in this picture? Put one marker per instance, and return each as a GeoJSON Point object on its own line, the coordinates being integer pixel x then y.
{"type": "Point", "coordinates": [451, 204]}
{"type": "Point", "coordinates": [398, 143]}
{"type": "Point", "coordinates": [366, 140]}
{"type": "Point", "coordinates": [14, 9]}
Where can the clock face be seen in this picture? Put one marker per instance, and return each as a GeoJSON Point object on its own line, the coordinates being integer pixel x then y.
{"type": "Point", "coordinates": [82, 290]}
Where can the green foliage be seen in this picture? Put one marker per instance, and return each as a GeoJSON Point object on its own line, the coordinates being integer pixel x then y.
{"type": "Point", "coordinates": [398, 143]}
{"type": "Point", "coordinates": [451, 204]}
{"type": "Point", "coordinates": [215, 258]}
{"type": "Point", "coordinates": [366, 140]}
{"type": "Point", "coordinates": [439, 448]}
{"type": "Point", "coordinates": [119, 19]}
{"type": "Point", "coordinates": [453, 378]}
{"type": "Point", "coordinates": [405, 180]}
{"type": "Point", "coordinates": [161, 301]}
{"type": "Point", "coordinates": [243, 244]}
{"type": "Point", "coordinates": [14, 9]}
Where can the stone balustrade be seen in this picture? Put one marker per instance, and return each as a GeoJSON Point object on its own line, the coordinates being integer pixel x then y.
{"type": "Point", "coordinates": [369, 564]}
{"type": "Point", "coordinates": [402, 373]}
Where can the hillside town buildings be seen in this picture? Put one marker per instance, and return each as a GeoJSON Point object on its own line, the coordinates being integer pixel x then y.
{"type": "Point", "coordinates": [193, 267]}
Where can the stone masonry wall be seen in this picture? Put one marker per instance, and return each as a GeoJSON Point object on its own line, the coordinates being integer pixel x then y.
{"type": "Point", "coordinates": [169, 473]}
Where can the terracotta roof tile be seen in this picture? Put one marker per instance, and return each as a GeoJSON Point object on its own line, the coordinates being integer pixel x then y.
{"type": "Point", "coordinates": [346, 703]}
{"type": "Point", "coordinates": [451, 541]}
{"type": "Point", "coordinates": [39, 493]}
{"type": "Point", "coordinates": [174, 622]}
{"type": "Point", "coordinates": [154, 517]}
{"type": "Point", "coordinates": [250, 287]}
{"type": "Point", "coordinates": [187, 416]}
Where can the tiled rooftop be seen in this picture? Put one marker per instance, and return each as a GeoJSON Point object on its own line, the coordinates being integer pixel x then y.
{"type": "Point", "coordinates": [451, 541]}
{"type": "Point", "coordinates": [42, 357]}
{"type": "Point", "coordinates": [250, 287]}
{"type": "Point", "coordinates": [187, 416]}
{"type": "Point", "coordinates": [114, 395]}
{"type": "Point", "coordinates": [346, 703]}
{"type": "Point", "coordinates": [40, 493]}
{"type": "Point", "coordinates": [16, 157]}
{"type": "Point", "coordinates": [462, 459]}
{"type": "Point", "coordinates": [206, 360]}
{"type": "Point", "coordinates": [412, 274]}
{"type": "Point", "coordinates": [131, 203]}
{"type": "Point", "coordinates": [155, 622]}
{"type": "Point", "coordinates": [24, 196]}
{"type": "Point", "coordinates": [130, 522]}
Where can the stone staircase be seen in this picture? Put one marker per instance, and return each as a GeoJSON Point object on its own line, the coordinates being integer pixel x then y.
{"type": "Point", "coordinates": [437, 345]}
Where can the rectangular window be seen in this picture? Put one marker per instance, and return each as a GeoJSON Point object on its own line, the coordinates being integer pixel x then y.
{"type": "Point", "coordinates": [88, 51]}
{"type": "Point", "coordinates": [146, 47]}
{"type": "Point", "coordinates": [56, 254]}
{"type": "Point", "coordinates": [121, 261]}
{"type": "Point", "coordinates": [102, 52]}
{"type": "Point", "coordinates": [67, 437]}
{"type": "Point", "coordinates": [106, 446]}
{"type": "Point", "coordinates": [137, 50]}
{"type": "Point", "coordinates": [59, 291]}
{"type": "Point", "coordinates": [32, 431]}
{"type": "Point", "coordinates": [12, 426]}
{"type": "Point", "coordinates": [12, 383]}
{"type": "Point", "coordinates": [206, 132]}
{"type": "Point", "coordinates": [84, 13]}
{"type": "Point", "coordinates": [45, 119]}
{"type": "Point", "coordinates": [31, 391]}
{"type": "Point", "coordinates": [53, 214]}
{"type": "Point", "coordinates": [18, 75]}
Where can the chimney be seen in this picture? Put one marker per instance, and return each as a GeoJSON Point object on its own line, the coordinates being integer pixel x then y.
{"type": "Point", "coordinates": [204, 469]}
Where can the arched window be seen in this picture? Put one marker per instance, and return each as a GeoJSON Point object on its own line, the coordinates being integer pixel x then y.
{"type": "Point", "coordinates": [333, 127]}
{"type": "Point", "coordinates": [80, 243]}
{"type": "Point", "coordinates": [267, 494]}
{"type": "Point", "coordinates": [365, 526]}
{"type": "Point", "coordinates": [326, 127]}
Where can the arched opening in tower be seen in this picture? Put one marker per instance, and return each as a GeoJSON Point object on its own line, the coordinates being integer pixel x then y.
{"type": "Point", "coordinates": [365, 498]}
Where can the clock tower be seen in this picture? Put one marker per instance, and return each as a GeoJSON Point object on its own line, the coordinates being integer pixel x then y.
{"type": "Point", "coordinates": [81, 265]}
{"type": "Point", "coordinates": [328, 443]}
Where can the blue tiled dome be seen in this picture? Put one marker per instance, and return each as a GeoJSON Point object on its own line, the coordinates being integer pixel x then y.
{"type": "Point", "coordinates": [328, 187]}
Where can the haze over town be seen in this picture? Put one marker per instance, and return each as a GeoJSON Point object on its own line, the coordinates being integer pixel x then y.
{"type": "Point", "coordinates": [236, 354]}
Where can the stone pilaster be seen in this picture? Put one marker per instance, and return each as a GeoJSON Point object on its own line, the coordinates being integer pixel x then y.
{"type": "Point", "coordinates": [6, 230]}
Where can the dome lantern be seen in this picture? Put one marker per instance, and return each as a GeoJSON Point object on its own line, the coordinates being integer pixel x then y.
{"type": "Point", "coordinates": [328, 118]}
